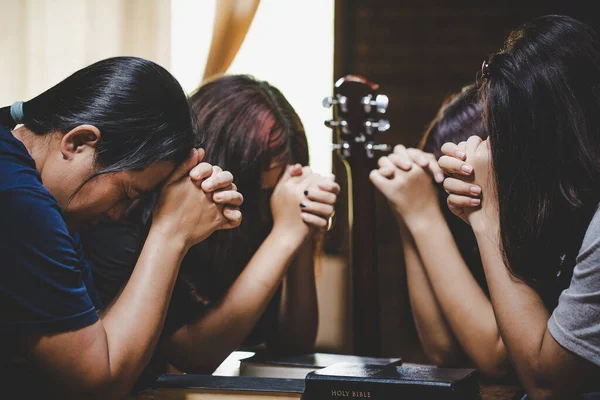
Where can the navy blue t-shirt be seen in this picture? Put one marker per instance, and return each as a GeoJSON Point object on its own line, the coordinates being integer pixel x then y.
{"type": "Point", "coordinates": [46, 286]}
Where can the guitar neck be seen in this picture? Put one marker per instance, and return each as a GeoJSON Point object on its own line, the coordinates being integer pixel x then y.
{"type": "Point", "coordinates": [358, 108]}
{"type": "Point", "coordinates": [367, 327]}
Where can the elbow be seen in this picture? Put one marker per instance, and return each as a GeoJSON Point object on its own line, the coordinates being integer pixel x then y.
{"type": "Point", "coordinates": [97, 385]}
{"type": "Point", "coordinates": [443, 356]}
{"type": "Point", "coordinates": [538, 386]}
{"type": "Point", "coordinates": [495, 370]}
{"type": "Point", "coordinates": [441, 350]}
{"type": "Point", "coordinates": [495, 366]}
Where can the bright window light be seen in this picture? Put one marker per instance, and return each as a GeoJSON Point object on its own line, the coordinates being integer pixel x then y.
{"type": "Point", "coordinates": [289, 44]}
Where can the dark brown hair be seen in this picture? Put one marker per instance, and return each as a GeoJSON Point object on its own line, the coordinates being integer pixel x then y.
{"type": "Point", "coordinates": [247, 125]}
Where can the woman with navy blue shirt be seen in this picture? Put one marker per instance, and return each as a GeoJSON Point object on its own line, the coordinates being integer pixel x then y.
{"type": "Point", "coordinates": [86, 150]}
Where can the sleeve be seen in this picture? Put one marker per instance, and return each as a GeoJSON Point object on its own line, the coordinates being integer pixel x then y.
{"type": "Point", "coordinates": [112, 250]}
{"type": "Point", "coordinates": [572, 324]}
{"type": "Point", "coordinates": [42, 284]}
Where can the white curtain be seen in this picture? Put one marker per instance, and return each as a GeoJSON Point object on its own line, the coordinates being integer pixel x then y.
{"type": "Point", "coordinates": [44, 41]}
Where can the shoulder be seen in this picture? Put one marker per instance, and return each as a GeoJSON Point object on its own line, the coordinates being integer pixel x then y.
{"type": "Point", "coordinates": [571, 322]}
{"type": "Point", "coordinates": [45, 278]}
{"type": "Point", "coordinates": [17, 168]}
{"type": "Point", "coordinates": [590, 247]}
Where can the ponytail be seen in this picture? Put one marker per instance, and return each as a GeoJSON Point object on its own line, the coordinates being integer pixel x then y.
{"type": "Point", "coordinates": [13, 115]}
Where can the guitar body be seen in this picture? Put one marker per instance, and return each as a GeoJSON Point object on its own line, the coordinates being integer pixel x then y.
{"type": "Point", "coordinates": [355, 122]}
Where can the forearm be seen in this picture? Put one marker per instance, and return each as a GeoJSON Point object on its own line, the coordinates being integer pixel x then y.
{"type": "Point", "coordinates": [521, 315]}
{"type": "Point", "coordinates": [202, 345]}
{"type": "Point", "coordinates": [465, 306]}
{"type": "Point", "coordinates": [134, 322]}
{"type": "Point", "coordinates": [436, 337]}
{"type": "Point", "coordinates": [299, 315]}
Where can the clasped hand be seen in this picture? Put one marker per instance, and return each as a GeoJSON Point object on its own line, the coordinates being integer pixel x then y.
{"type": "Point", "coordinates": [467, 188]}
{"type": "Point", "coordinates": [198, 199]}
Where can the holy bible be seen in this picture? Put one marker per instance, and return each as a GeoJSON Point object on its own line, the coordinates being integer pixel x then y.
{"type": "Point", "coordinates": [407, 381]}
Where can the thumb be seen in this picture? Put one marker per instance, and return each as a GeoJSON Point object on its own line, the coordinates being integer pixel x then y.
{"type": "Point", "coordinates": [201, 154]}
{"type": "Point", "coordinates": [378, 180]}
{"type": "Point", "coordinates": [290, 170]}
{"type": "Point", "coordinates": [184, 168]}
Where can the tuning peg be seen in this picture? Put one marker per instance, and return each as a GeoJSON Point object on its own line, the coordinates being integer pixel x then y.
{"type": "Point", "coordinates": [378, 147]}
{"type": "Point", "coordinates": [333, 124]}
{"type": "Point", "coordinates": [380, 103]}
{"type": "Point", "coordinates": [341, 100]}
{"type": "Point", "coordinates": [344, 147]}
{"type": "Point", "coordinates": [382, 125]}
{"type": "Point", "coordinates": [339, 146]}
{"type": "Point", "coordinates": [371, 148]}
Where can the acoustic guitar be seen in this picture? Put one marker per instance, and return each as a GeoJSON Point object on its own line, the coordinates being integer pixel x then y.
{"type": "Point", "coordinates": [357, 111]}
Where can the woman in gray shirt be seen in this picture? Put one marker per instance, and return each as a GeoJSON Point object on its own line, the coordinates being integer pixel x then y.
{"type": "Point", "coordinates": [539, 175]}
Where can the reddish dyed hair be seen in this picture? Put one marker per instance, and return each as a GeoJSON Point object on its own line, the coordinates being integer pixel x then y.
{"type": "Point", "coordinates": [246, 126]}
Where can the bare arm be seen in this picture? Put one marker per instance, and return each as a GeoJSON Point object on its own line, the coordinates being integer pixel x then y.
{"type": "Point", "coordinates": [436, 337]}
{"type": "Point", "coordinates": [465, 306]}
{"type": "Point", "coordinates": [202, 345]}
{"type": "Point", "coordinates": [112, 352]}
{"type": "Point", "coordinates": [299, 314]}
{"type": "Point", "coordinates": [545, 368]}
{"type": "Point", "coordinates": [468, 312]}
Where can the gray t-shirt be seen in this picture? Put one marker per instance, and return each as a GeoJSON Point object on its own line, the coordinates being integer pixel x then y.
{"type": "Point", "coordinates": [575, 323]}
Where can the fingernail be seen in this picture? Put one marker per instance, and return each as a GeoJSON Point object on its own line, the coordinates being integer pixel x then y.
{"type": "Point", "coordinates": [306, 192]}
{"type": "Point", "coordinates": [475, 189]}
{"type": "Point", "coordinates": [459, 154]}
{"type": "Point", "coordinates": [439, 177]}
{"type": "Point", "coordinates": [209, 185]}
{"type": "Point", "coordinates": [475, 202]}
{"type": "Point", "coordinates": [302, 205]}
{"type": "Point", "coordinates": [466, 168]}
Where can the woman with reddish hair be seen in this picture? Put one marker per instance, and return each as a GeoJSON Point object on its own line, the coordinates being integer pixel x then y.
{"type": "Point", "coordinates": [254, 284]}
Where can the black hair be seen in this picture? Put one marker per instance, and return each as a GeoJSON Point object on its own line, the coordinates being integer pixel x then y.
{"type": "Point", "coordinates": [140, 109]}
{"type": "Point", "coordinates": [542, 107]}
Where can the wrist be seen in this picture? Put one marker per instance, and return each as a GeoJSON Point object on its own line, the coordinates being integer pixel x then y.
{"type": "Point", "coordinates": [171, 236]}
{"type": "Point", "coordinates": [286, 239]}
{"type": "Point", "coordinates": [483, 226]}
{"type": "Point", "coordinates": [424, 222]}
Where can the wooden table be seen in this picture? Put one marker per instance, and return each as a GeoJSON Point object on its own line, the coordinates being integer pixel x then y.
{"type": "Point", "coordinates": [500, 392]}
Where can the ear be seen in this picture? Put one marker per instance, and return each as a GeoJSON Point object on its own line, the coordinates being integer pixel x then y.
{"type": "Point", "coordinates": [78, 140]}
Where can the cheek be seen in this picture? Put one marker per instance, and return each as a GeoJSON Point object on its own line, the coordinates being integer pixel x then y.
{"type": "Point", "coordinates": [95, 198]}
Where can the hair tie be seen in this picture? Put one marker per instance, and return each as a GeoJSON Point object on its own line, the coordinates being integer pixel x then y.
{"type": "Point", "coordinates": [485, 69]}
{"type": "Point", "coordinates": [16, 111]}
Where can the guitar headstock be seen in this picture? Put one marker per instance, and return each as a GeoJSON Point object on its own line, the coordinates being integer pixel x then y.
{"type": "Point", "coordinates": [357, 112]}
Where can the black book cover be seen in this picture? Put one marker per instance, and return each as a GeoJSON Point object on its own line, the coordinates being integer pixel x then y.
{"type": "Point", "coordinates": [407, 381]}
{"type": "Point", "coordinates": [233, 383]}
